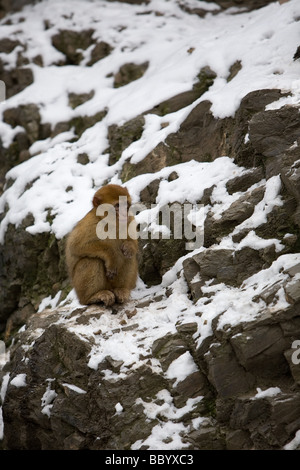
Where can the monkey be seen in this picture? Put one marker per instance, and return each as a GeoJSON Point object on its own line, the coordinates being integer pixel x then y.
{"type": "Point", "coordinates": [102, 266]}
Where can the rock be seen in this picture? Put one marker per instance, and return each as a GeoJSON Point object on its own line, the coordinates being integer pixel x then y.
{"type": "Point", "coordinates": [60, 416]}
{"type": "Point", "coordinates": [82, 123]}
{"type": "Point", "coordinates": [243, 207]}
{"type": "Point", "coordinates": [69, 404]}
{"type": "Point", "coordinates": [268, 294]}
{"type": "Point", "coordinates": [12, 6]}
{"type": "Point", "coordinates": [191, 274]}
{"type": "Point", "coordinates": [243, 182]}
{"type": "Point", "coordinates": [101, 50]}
{"type": "Point", "coordinates": [168, 349]}
{"type": "Point", "coordinates": [229, 266]}
{"type": "Point", "coordinates": [175, 103]}
{"type": "Point", "coordinates": [38, 268]}
{"type": "Point", "coordinates": [211, 262]}
{"type": "Point", "coordinates": [70, 42]}
{"type": "Point", "coordinates": [156, 257]}
{"type": "Point", "coordinates": [149, 266]}
{"type": "Point", "coordinates": [197, 11]}
{"type": "Point", "coordinates": [269, 420]}
{"type": "Point", "coordinates": [79, 123]}
{"type": "Point", "coordinates": [238, 440]}
{"type": "Point", "coordinates": [279, 221]}
{"type": "Point", "coordinates": [205, 79]}
{"type": "Point", "coordinates": [78, 99]}
{"type": "Point", "coordinates": [229, 380]}
{"type": "Point", "coordinates": [7, 45]}
{"type": "Point", "coordinates": [291, 180]}
{"type": "Point", "coordinates": [193, 386]}
{"type": "Point", "coordinates": [27, 116]}
{"type": "Point", "coordinates": [201, 137]}
{"type": "Point", "coordinates": [263, 345]}
{"type": "Point", "coordinates": [156, 160]}
{"type": "Point", "coordinates": [16, 153]}
{"type": "Point", "coordinates": [120, 137]}
{"type": "Point", "coordinates": [64, 403]}
{"type": "Point", "coordinates": [282, 162]}
{"type": "Point", "coordinates": [16, 79]}
{"type": "Point", "coordinates": [249, 5]}
{"type": "Point", "coordinates": [234, 70]}
{"type": "Point", "coordinates": [128, 73]}
{"type": "Point", "coordinates": [292, 356]}
{"type": "Point", "coordinates": [132, 2]}
{"type": "Point", "coordinates": [18, 318]}
{"type": "Point", "coordinates": [83, 159]}
{"type": "Point", "coordinates": [242, 149]}
{"type": "Point", "coordinates": [293, 270]}
{"type": "Point", "coordinates": [273, 132]}
{"type": "Point", "coordinates": [207, 438]}
{"type": "Point", "coordinates": [187, 329]}
{"type": "Point", "coordinates": [149, 193]}
{"type": "Point", "coordinates": [240, 210]}
{"type": "Point", "coordinates": [292, 291]}
{"type": "Point", "coordinates": [163, 155]}
{"type": "Point", "coordinates": [297, 54]}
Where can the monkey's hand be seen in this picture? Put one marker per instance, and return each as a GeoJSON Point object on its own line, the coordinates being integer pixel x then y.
{"type": "Point", "coordinates": [111, 273]}
{"type": "Point", "coordinates": [127, 249]}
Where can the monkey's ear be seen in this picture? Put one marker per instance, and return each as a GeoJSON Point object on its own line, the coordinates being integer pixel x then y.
{"type": "Point", "coordinates": [96, 201]}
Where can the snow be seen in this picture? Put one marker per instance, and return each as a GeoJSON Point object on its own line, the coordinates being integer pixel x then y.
{"type": "Point", "coordinates": [4, 354]}
{"type": "Point", "coordinates": [269, 392]}
{"type": "Point", "coordinates": [19, 380]}
{"type": "Point", "coordinates": [123, 338]}
{"type": "Point", "coordinates": [74, 388]}
{"type": "Point", "coordinates": [181, 368]}
{"type": "Point", "coordinates": [164, 436]}
{"type": "Point", "coordinates": [254, 241]}
{"type": "Point", "coordinates": [176, 45]}
{"type": "Point", "coordinates": [237, 305]}
{"type": "Point", "coordinates": [164, 40]}
{"type": "Point", "coordinates": [294, 443]}
{"type": "Point", "coordinates": [47, 399]}
{"type": "Point", "coordinates": [118, 408]}
{"type": "Point", "coordinates": [4, 385]}
{"type": "Point", "coordinates": [3, 389]}
{"type": "Point", "coordinates": [265, 206]}
{"type": "Point", "coordinates": [165, 430]}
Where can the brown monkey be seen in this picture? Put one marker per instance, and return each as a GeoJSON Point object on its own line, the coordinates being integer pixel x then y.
{"type": "Point", "coordinates": [101, 249]}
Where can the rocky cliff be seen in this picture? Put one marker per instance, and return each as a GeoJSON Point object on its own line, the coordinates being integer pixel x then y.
{"type": "Point", "coordinates": [206, 353]}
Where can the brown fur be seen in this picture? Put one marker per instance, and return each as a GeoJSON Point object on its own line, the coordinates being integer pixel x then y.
{"type": "Point", "coordinates": [101, 270]}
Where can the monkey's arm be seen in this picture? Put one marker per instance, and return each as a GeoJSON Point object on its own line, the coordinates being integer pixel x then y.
{"type": "Point", "coordinates": [97, 249]}
{"type": "Point", "coordinates": [129, 248]}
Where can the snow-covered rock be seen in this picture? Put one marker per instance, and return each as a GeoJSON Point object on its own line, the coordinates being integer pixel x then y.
{"type": "Point", "coordinates": [187, 103]}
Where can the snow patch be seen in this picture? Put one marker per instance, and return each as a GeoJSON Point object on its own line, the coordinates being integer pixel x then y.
{"type": "Point", "coordinates": [19, 381]}
{"type": "Point", "coordinates": [181, 368]}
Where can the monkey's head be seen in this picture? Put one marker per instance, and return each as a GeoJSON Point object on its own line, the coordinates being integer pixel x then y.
{"type": "Point", "coordinates": [115, 195]}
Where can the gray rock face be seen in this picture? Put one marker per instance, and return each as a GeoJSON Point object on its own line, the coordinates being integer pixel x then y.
{"type": "Point", "coordinates": [57, 404]}
{"type": "Point", "coordinates": [16, 79]}
{"type": "Point", "coordinates": [203, 138]}
{"type": "Point", "coordinates": [58, 398]}
{"type": "Point", "coordinates": [38, 262]}
{"type": "Point", "coordinates": [49, 412]}
{"type": "Point", "coordinates": [274, 132]}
